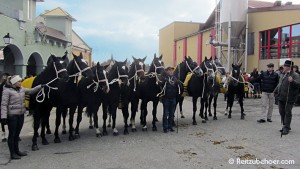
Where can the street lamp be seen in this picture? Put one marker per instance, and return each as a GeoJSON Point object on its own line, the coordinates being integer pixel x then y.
{"type": "Point", "coordinates": [7, 39]}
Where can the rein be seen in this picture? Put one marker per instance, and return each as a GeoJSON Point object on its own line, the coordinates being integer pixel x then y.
{"type": "Point", "coordinates": [135, 76]}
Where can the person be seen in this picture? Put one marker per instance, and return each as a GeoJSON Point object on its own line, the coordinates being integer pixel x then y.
{"type": "Point", "coordinates": [224, 81]}
{"type": "Point", "coordinates": [254, 74]}
{"type": "Point", "coordinates": [169, 99]}
{"type": "Point", "coordinates": [247, 79]}
{"type": "Point", "coordinates": [3, 78]}
{"type": "Point", "coordinates": [269, 80]}
{"type": "Point", "coordinates": [12, 112]}
{"type": "Point", "coordinates": [279, 70]}
{"type": "Point", "coordinates": [296, 69]}
{"type": "Point", "coordinates": [287, 91]}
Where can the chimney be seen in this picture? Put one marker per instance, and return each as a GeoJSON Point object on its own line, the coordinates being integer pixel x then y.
{"type": "Point", "coordinates": [277, 3]}
{"type": "Point", "coordinates": [288, 3]}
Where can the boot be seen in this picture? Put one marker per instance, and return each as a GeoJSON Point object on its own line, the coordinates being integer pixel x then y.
{"type": "Point", "coordinates": [15, 157]}
{"type": "Point", "coordinates": [20, 153]}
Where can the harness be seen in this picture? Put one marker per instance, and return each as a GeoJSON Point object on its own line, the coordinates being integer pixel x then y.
{"type": "Point", "coordinates": [154, 74]}
{"type": "Point", "coordinates": [79, 73]}
{"type": "Point", "coordinates": [135, 76]}
{"type": "Point", "coordinates": [99, 81]}
{"type": "Point", "coordinates": [117, 79]}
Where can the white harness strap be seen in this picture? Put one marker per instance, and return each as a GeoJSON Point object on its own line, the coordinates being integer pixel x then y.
{"type": "Point", "coordinates": [192, 71]}
{"type": "Point", "coordinates": [80, 71]}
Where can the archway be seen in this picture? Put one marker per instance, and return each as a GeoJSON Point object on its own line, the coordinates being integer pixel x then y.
{"type": "Point", "coordinates": [13, 59]}
{"type": "Point", "coordinates": [34, 64]}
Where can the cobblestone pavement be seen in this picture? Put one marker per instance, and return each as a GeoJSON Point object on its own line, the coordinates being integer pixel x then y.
{"type": "Point", "coordinates": [214, 144]}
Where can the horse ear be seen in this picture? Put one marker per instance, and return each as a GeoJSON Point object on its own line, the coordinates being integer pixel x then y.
{"type": "Point", "coordinates": [205, 58]}
{"type": "Point", "coordinates": [98, 64]}
{"type": "Point", "coordinates": [160, 57]}
{"type": "Point", "coordinates": [154, 55]}
{"type": "Point", "coordinates": [144, 59]}
{"type": "Point", "coordinates": [133, 58]}
{"type": "Point", "coordinates": [216, 57]}
{"type": "Point", "coordinates": [210, 58]}
{"type": "Point", "coordinates": [240, 65]}
{"type": "Point", "coordinates": [185, 58]}
{"type": "Point", "coordinates": [232, 65]}
{"type": "Point", "coordinates": [125, 62]}
{"type": "Point", "coordinates": [80, 55]}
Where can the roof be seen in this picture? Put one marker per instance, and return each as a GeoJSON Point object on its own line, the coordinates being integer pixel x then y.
{"type": "Point", "coordinates": [78, 42]}
{"type": "Point", "coordinates": [58, 12]}
{"type": "Point", "coordinates": [259, 4]}
{"type": "Point", "coordinates": [42, 29]}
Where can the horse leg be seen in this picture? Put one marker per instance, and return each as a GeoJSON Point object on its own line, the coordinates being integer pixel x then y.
{"type": "Point", "coordinates": [71, 119]}
{"type": "Point", "coordinates": [154, 112]}
{"type": "Point", "coordinates": [230, 101]}
{"type": "Point", "coordinates": [94, 109]}
{"type": "Point", "coordinates": [144, 113]}
{"type": "Point", "coordinates": [36, 125]}
{"type": "Point", "coordinates": [215, 107]}
{"type": "Point", "coordinates": [209, 104]}
{"type": "Point", "coordinates": [242, 108]}
{"type": "Point", "coordinates": [194, 110]}
{"type": "Point", "coordinates": [180, 106]}
{"type": "Point", "coordinates": [113, 110]}
{"type": "Point", "coordinates": [91, 122]}
{"type": "Point", "coordinates": [57, 124]}
{"type": "Point", "coordinates": [44, 122]}
{"type": "Point", "coordinates": [48, 125]}
{"type": "Point", "coordinates": [134, 107]}
{"type": "Point", "coordinates": [64, 113]}
{"type": "Point", "coordinates": [125, 117]}
{"type": "Point", "coordinates": [79, 118]}
{"type": "Point", "coordinates": [109, 119]}
{"type": "Point", "coordinates": [104, 117]}
{"type": "Point", "coordinates": [203, 108]}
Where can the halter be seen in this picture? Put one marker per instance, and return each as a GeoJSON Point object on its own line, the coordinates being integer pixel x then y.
{"type": "Point", "coordinates": [119, 77]}
{"type": "Point", "coordinates": [155, 74]}
{"type": "Point", "coordinates": [217, 67]}
{"type": "Point", "coordinates": [238, 81]}
{"type": "Point", "coordinates": [80, 71]}
{"type": "Point", "coordinates": [136, 76]}
{"type": "Point", "coordinates": [41, 93]}
{"type": "Point", "coordinates": [163, 91]}
{"type": "Point", "coordinates": [99, 81]}
{"type": "Point", "coordinates": [192, 71]}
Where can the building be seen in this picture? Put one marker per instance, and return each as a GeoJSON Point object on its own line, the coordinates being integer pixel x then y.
{"type": "Point", "coordinates": [79, 46]}
{"type": "Point", "coordinates": [34, 38]}
{"type": "Point", "coordinates": [269, 39]}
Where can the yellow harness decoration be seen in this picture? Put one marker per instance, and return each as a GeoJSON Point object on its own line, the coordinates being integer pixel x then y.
{"type": "Point", "coordinates": [221, 84]}
{"type": "Point", "coordinates": [185, 84]}
{"type": "Point", "coordinates": [27, 83]}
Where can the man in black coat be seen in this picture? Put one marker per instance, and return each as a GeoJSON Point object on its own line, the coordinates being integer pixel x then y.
{"type": "Point", "coordinates": [287, 91]}
{"type": "Point", "coordinates": [269, 80]}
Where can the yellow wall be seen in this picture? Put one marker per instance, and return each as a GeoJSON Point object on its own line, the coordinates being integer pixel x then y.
{"type": "Point", "coordinates": [206, 48]}
{"type": "Point", "coordinates": [192, 47]}
{"type": "Point", "coordinates": [261, 21]}
{"type": "Point", "coordinates": [185, 28]}
{"type": "Point", "coordinates": [179, 51]}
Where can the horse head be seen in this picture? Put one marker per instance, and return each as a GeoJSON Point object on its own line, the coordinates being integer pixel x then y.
{"type": "Point", "coordinates": [219, 67]}
{"type": "Point", "coordinates": [59, 65]}
{"type": "Point", "coordinates": [100, 77]}
{"type": "Point", "coordinates": [157, 65]}
{"type": "Point", "coordinates": [78, 66]}
{"type": "Point", "coordinates": [208, 68]}
{"type": "Point", "coordinates": [236, 74]}
{"type": "Point", "coordinates": [119, 70]}
{"type": "Point", "coordinates": [137, 68]}
{"type": "Point", "coordinates": [192, 66]}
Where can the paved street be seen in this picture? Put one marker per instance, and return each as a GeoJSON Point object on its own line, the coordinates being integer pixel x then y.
{"type": "Point", "coordinates": [209, 145]}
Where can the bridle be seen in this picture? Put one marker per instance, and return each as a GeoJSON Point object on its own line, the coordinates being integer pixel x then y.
{"type": "Point", "coordinates": [192, 71]}
{"type": "Point", "coordinates": [100, 81]}
{"type": "Point", "coordinates": [135, 76]}
{"type": "Point", "coordinates": [79, 73]}
{"type": "Point", "coordinates": [119, 77]}
{"type": "Point", "coordinates": [155, 74]}
{"type": "Point", "coordinates": [41, 93]}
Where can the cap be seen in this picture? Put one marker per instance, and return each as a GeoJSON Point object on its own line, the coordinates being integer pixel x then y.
{"type": "Point", "coordinates": [288, 63]}
{"type": "Point", "coordinates": [170, 68]}
{"type": "Point", "coordinates": [270, 65]}
{"type": "Point", "coordinates": [15, 79]}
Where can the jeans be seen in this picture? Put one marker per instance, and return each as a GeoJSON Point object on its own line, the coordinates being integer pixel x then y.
{"type": "Point", "coordinates": [256, 88]}
{"type": "Point", "coordinates": [15, 124]}
{"type": "Point", "coordinates": [267, 105]}
{"type": "Point", "coordinates": [169, 106]}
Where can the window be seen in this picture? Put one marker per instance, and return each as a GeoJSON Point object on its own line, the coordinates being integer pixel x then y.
{"type": "Point", "coordinates": [250, 43]}
{"type": "Point", "coordinates": [282, 42]}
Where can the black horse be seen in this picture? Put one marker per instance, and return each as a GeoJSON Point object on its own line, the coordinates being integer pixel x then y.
{"type": "Point", "coordinates": [181, 71]}
{"type": "Point", "coordinates": [43, 101]}
{"type": "Point", "coordinates": [214, 85]}
{"type": "Point", "coordinates": [136, 77]}
{"type": "Point", "coordinates": [150, 89]}
{"type": "Point", "coordinates": [235, 86]}
{"type": "Point", "coordinates": [92, 96]}
{"type": "Point", "coordinates": [198, 87]}
{"type": "Point", "coordinates": [116, 97]}
{"type": "Point", "coordinates": [80, 76]}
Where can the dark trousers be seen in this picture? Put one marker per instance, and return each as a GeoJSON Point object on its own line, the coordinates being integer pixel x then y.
{"type": "Point", "coordinates": [15, 124]}
{"type": "Point", "coordinates": [285, 111]}
{"type": "Point", "coordinates": [168, 114]}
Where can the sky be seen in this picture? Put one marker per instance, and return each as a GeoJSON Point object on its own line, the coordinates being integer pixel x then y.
{"type": "Point", "coordinates": [126, 28]}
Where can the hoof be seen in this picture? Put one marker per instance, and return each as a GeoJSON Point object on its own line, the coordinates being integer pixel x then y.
{"type": "Point", "coordinates": [34, 148]}
{"type": "Point", "coordinates": [71, 138]}
{"type": "Point", "coordinates": [154, 128]}
{"type": "Point", "coordinates": [77, 136]}
{"type": "Point", "coordinates": [64, 132]}
{"type": "Point", "coordinates": [133, 130]}
{"type": "Point", "coordinates": [203, 121]}
{"type": "Point", "coordinates": [209, 114]}
{"type": "Point", "coordinates": [130, 125]}
{"type": "Point", "coordinates": [215, 118]}
{"type": "Point", "coordinates": [57, 140]}
{"type": "Point", "coordinates": [194, 123]}
{"type": "Point", "coordinates": [201, 115]}
{"type": "Point", "coordinates": [126, 132]}
{"type": "Point", "coordinates": [91, 127]}
{"type": "Point", "coordinates": [104, 133]}
{"type": "Point", "coordinates": [116, 134]}
{"type": "Point", "coordinates": [4, 140]}
{"type": "Point", "coordinates": [45, 142]}
{"type": "Point", "coordinates": [48, 132]}
{"type": "Point", "coordinates": [182, 117]}
{"type": "Point", "coordinates": [99, 135]}
{"type": "Point", "coordinates": [229, 116]}
{"type": "Point", "coordinates": [242, 117]}
{"type": "Point", "coordinates": [109, 125]}
{"type": "Point", "coordinates": [156, 120]}
{"type": "Point", "coordinates": [144, 129]}
{"type": "Point", "coordinates": [206, 118]}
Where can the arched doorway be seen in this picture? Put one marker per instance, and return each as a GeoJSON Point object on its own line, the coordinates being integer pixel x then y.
{"type": "Point", "coordinates": [34, 64]}
{"type": "Point", "coordinates": [13, 60]}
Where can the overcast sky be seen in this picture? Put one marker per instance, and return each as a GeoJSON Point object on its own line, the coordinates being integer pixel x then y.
{"type": "Point", "coordinates": [126, 28]}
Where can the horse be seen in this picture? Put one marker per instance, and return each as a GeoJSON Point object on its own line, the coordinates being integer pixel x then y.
{"type": "Point", "coordinates": [43, 101]}
{"type": "Point", "coordinates": [92, 96]}
{"type": "Point", "coordinates": [116, 97]}
{"type": "Point", "coordinates": [80, 75]}
{"type": "Point", "coordinates": [150, 90]}
{"type": "Point", "coordinates": [235, 86]}
{"type": "Point", "coordinates": [136, 77]}
{"type": "Point", "coordinates": [214, 85]}
{"type": "Point", "coordinates": [181, 72]}
{"type": "Point", "coordinates": [198, 87]}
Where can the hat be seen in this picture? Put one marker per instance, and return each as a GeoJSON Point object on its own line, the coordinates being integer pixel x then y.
{"type": "Point", "coordinates": [170, 68]}
{"type": "Point", "coordinates": [288, 63]}
{"type": "Point", "coordinates": [270, 65]}
{"type": "Point", "coordinates": [15, 79]}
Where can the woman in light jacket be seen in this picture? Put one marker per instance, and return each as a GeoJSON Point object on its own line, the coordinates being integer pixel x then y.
{"type": "Point", "coordinates": [12, 112]}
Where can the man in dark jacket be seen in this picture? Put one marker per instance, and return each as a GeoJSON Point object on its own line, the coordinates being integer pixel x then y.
{"type": "Point", "coordinates": [296, 69]}
{"type": "Point", "coordinates": [269, 80]}
{"type": "Point", "coordinates": [169, 99]}
{"type": "Point", "coordinates": [287, 91]}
